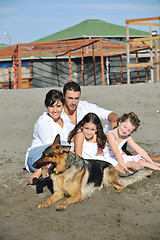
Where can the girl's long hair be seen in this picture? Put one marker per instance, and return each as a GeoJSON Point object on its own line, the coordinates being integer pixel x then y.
{"type": "Point", "coordinates": [90, 118]}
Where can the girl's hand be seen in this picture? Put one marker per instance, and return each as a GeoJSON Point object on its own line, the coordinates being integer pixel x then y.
{"type": "Point", "coordinates": [127, 170]}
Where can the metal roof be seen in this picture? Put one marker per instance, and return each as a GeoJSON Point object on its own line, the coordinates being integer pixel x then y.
{"type": "Point", "coordinates": [93, 28]}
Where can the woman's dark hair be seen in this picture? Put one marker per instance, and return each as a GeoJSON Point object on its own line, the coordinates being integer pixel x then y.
{"type": "Point", "coordinates": [52, 96]}
{"type": "Point", "coordinates": [133, 118]}
{"type": "Point", "coordinates": [90, 118]}
{"type": "Point", "coordinates": [72, 86]}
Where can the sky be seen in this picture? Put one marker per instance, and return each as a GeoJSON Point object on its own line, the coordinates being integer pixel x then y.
{"type": "Point", "coordinates": [30, 20]}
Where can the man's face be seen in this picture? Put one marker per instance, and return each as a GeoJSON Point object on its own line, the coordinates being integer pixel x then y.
{"type": "Point", "coordinates": [72, 99]}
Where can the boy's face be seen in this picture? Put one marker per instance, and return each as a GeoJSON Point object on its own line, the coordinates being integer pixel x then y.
{"type": "Point", "coordinates": [71, 99]}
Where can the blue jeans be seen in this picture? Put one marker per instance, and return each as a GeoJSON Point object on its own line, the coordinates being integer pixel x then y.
{"type": "Point", "coordinates": [36, 153]}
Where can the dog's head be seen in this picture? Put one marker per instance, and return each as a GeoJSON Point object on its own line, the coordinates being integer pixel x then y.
{"type": "Point", "coordinates": [54, 156]}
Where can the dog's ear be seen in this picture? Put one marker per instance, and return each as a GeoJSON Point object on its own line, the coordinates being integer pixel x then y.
{"type": "Point", "coordinates": [57, 140]}
{"type": "Point", "coordinates": [65, 148]}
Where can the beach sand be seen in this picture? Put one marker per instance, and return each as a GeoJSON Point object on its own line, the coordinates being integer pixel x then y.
{"type": "Point", "coordinates": [132, 214]}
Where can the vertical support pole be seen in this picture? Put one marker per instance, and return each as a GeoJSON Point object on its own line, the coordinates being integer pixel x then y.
{"type": "Point", "coordinates": [137, 67]}
{"type": "Point", "coordinates": [128, 60]}
{"type": "Point", "coordinates": [9, 77]}
{"type": "Point", "coordinates": [70, 66]}
{"type": "Point", "coordinates": [156, 65]}
{"type": "Point", "coordinates": [19, 67]}
{"type": "Point", "coordinates": [146, 75]}
{"type": "Point", "coordinates": [151, 53]}
{"type": "Point", "coordinates": [14, 70]}
{"type": "Point", "coordinates": [157, 73]}
{"type": "Point", "coordinates": [31, 73]}
{"type": "Point", "coordinates": [102, 62]}
{"type": "Point", "coordinates": [121, 69]}
{"type": "Point", "coordinates": [94, 65]}
{"type": "Point", "coordinates": [82, 62]}
{"type": "Point", "coordinates": [107, 69]}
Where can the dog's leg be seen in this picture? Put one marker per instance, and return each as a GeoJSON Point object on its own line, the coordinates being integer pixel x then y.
{"type": "Point", "coordinates": [135, 177]}
{"type": "Point", "coordinates": [111, 176]}
{"type": "Point", "coordinates": [75, 198]}
{"type": "Point", "coordinates": [52, 200]}
{"type": "Point", "coordinates": [74, 190]}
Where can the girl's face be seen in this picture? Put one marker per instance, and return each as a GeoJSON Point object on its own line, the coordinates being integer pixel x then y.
{"type": "Point", "coordinates": [89, 130]}
{"type": "Point", "coordinates": [55, 110]}
{"type": "Point", "coordinates": [125, 128]}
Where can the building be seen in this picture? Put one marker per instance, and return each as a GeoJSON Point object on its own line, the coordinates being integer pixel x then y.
{"type": "Point", "coordinates": [92, 52]}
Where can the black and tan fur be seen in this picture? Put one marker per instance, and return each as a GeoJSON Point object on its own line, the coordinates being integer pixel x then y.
{"type": "Point", "coordinates": [77, 178]}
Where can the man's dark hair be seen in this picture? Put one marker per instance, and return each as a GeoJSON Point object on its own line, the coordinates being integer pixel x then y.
{"type": "Point", "coordinates": [72, 86]}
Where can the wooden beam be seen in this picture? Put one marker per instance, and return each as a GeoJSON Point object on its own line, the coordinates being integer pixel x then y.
{"type": "Point", "coordinates": [141, 19]}
{"type": "Point", "coordinates": [144, 24]}
{"type": "Point", "coordinates": [143, 39]}
{"type": "Point", "coordinates": [132, 65]}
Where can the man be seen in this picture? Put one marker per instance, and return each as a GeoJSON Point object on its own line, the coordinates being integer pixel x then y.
{"type": "Point", "coordinates": [75, 109]}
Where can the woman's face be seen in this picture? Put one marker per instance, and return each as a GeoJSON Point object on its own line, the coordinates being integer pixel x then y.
{"type": "Point", "coordinates": [55, 110]}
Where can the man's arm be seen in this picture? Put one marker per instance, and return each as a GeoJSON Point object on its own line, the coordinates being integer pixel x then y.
{"type": "Point", "coordinates": [112, 118]}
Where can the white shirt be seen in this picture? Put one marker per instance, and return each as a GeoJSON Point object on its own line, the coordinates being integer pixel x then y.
{"type": "Point", "coordinates": [84, 108]}
{"type": "Point", "coordinates": [46, 129]}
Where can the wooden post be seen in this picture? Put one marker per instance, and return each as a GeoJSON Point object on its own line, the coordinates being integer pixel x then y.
{"type": "Point", "coordinates": [121, 69]}
{"type": "Point", "coordinates": [128, 59]}
{"type": "Point", "coordinates": [156, 65]}
{"type": "Point", "coordinates": [19, 67]}
{"type": "Point", "coordinates": [31, 73]}
{"type": "Point", "coordinates": [102, 62]}
{"type": "Point", "coordinates": [157, 61]}
{"type": "Point", "coordinates": [151, 53]}
{"type": "Point", "coordinates": [82, 62]}
{"type": "Point", "coordinates": [9, 77]}
{"type": "Point", "coordinates": [15, 70]}
{"type": "Point", "coordinates": [107, 69]}
{"type": "Point", "coordinates": [137, 67]}
{"type": "Point", "coordinates": [146, 74]}
{"type": "Point", "coordinates": [70, 66]}
{"type": "Point", "coordinates": [94, 67]}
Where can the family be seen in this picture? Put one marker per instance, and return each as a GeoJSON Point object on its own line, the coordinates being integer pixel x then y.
{"type": "Point", "coordinates": [79, 125]}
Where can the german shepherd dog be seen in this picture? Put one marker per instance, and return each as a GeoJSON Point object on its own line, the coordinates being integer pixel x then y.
{"type": "Point", "coordinates": [77, 178]}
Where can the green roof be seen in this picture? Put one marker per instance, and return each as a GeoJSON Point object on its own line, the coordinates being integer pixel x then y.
{"type": "Point", "coordinates": [93, 28]}
{"type": "Point", "coordinates": [4, 45]}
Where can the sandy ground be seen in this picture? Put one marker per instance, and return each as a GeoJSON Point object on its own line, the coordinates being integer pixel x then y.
{"type": "Point", "coordinates": [132, 214]}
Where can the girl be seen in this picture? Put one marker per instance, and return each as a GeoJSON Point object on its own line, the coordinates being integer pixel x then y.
{"type": "Point", "coordinates": [117, 137]}
{"type": "Point", "coordinates": [48, 125]}
{"type": "Point", "coordinates": [88, 138]}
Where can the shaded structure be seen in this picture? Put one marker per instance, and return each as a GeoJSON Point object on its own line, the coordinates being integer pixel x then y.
{"type": "Point", "coordinates": [87, 59]}
{"type": "Point", "coordinates": [154, 60]}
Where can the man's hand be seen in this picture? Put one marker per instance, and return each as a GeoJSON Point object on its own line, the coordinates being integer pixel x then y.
{"type": "Point", "coordinates": [113, 118]}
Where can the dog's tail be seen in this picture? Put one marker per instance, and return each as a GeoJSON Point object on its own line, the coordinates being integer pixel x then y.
{"type": "Point", "coordinates": [125, 181]}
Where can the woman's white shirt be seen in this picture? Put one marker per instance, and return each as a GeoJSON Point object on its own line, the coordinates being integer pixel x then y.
{"type": "Point", "coordinates": [46, 129]}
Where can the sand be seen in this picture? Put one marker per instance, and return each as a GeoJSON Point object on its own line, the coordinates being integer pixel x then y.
{"type": "Point", "coordinates": [132, 214]}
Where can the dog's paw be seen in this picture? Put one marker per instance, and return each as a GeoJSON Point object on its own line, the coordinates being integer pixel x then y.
{"type": "Point", "coordinates": [61, 208]}
{"type": "Point", "coordinates": [43, 205]}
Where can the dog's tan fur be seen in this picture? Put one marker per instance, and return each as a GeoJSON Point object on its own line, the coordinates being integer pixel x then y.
{"type": "Point", "coordinates": [71, 174]}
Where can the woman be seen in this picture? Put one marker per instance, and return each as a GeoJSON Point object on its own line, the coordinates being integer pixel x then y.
{"type": "Point", "coordinates": [48, 125]}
